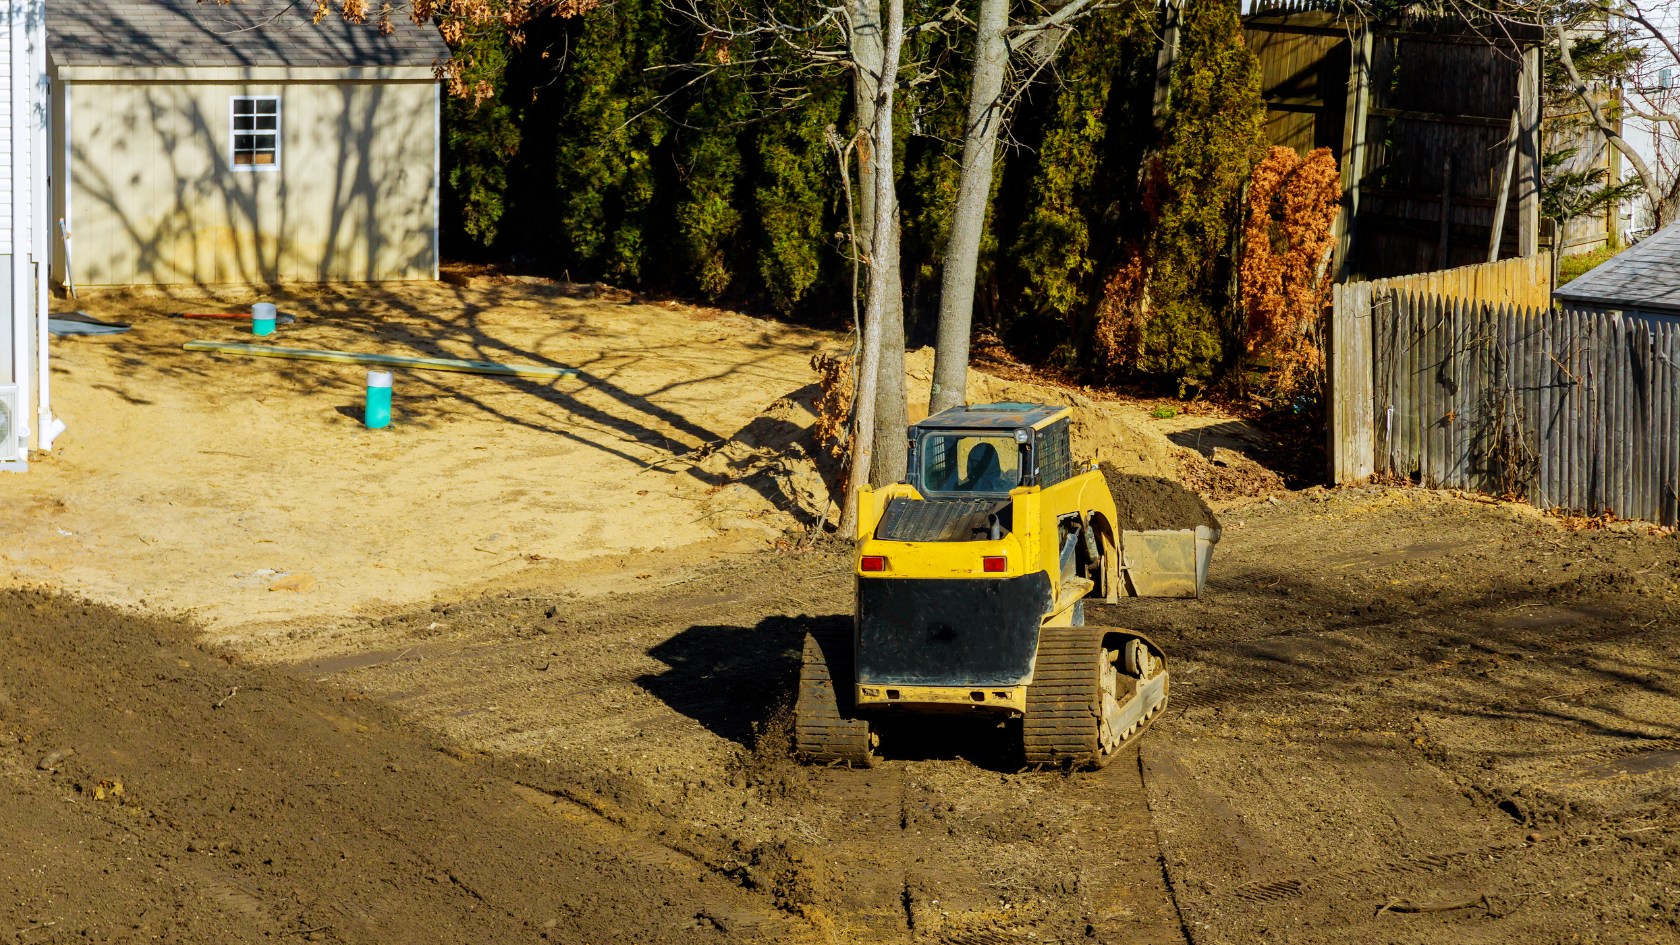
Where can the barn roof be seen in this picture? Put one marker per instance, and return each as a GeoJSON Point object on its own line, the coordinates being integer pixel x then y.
{"type": "Point", "coordinates": [1644, 276]}
{"type": "Point", "coordinates": [154, 33]}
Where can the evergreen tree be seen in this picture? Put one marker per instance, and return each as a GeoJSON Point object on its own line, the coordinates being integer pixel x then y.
{"type": "Point", "coordinates": [1213, 138]}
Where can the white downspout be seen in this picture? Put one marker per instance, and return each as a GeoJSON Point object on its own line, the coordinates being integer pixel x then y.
{"type": "Point", "coordinates": [21, 305]}
{"type": "Point", "coordinates": [40, 240]}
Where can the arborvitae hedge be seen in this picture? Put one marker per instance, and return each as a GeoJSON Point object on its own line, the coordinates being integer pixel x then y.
{"type": "Point", "coordinates": [629, 172]}
{"type": "Point", "coordinates": [1213, 139]}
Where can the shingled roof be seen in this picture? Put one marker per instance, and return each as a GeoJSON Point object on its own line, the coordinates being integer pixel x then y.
{"type": "Point", "coordinates": [1646, 275]}
{"type": "Point", "coordinates": [237, 33]}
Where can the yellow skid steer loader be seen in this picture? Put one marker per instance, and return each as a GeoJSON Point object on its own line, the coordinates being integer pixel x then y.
{"type": "Point", "coordinates": [972, 579]}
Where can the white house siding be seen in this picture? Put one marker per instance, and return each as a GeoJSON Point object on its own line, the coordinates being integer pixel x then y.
{"type": "Point", "coordinates": [1656, 142]}
{"type": "Point", "coordinates": [9, 327]}
{"type": "Point", "coordinates": [6, 144]}
{"type": "Point", "coordinates": [153, 197]}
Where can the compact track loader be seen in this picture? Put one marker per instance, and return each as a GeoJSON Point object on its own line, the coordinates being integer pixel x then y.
{"type": "Point", "coordinates": [972, 579]}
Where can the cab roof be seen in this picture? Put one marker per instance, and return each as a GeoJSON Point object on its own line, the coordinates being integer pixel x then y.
{"type": "Point", "coordinates": [1004, 416]}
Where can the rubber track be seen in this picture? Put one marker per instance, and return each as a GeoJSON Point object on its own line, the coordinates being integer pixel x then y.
{"type": "Point", "coordinates": [1063, 700]}
{"type": "Point", "coordinates": [824, 730]}
{"type": "Point", "coordinates": [1061, 722]}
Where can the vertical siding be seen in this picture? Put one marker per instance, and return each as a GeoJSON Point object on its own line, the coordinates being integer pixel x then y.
{"type": "Point", "coordinates": [6, 138]}
{"type": "Point", "coordinates": [156, 201]}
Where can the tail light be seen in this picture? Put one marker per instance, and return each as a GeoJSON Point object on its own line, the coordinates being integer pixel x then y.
{"type": "Point", "coordinates": [994, 564]}
{"type": "Point", "coordinates": [872, 563]}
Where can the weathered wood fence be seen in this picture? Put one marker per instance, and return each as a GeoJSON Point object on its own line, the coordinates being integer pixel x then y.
{"type": "Point", "coordinates": [1568, 408]}
{"type": "Point", "coordinates": [1521, 281]}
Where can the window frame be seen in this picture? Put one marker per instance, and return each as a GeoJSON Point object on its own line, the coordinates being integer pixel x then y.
{"type": "Point", "coordinates": [234, 132]}
{"type": "Point", "coordinates": [957, 434]}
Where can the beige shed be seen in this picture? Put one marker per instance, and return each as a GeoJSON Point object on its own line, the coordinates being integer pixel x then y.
{"type": "Point", "coordinates": [207, 143]}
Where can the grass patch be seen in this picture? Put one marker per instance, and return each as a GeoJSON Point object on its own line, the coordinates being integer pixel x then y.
{"type": "Point", "coordinates": [1573, 267]}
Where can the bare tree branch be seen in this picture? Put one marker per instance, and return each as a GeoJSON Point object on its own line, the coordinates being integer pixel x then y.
{"type": "Point", "coordinates": [1652, 191]}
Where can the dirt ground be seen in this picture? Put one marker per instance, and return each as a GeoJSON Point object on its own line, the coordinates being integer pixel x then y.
{"type": "Point", "coordinates": [1397, 717]}
{"type": "Point", "coordinates": [538, 689]}
{"type": "Point", "coordinates": [247, 492]}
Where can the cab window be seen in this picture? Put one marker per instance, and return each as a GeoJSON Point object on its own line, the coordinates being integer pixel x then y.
{"type": "Point", "coordinates": [955, 462]}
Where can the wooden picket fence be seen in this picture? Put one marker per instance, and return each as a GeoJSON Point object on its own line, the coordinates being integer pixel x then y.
{"type": "Point", "coordinates": [1519, 281]}
{"type": "Point", "coordinates": [1569, 408]}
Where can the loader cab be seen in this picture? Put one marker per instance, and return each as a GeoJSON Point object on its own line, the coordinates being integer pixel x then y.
{"type": "Point", "coordinates": [986, 450]}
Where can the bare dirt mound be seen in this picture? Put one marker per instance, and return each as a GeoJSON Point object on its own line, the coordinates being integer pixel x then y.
{"type": "Point", "coordinates": [1151, 502]}
{"type": "Point", "coordinates": [771, 476]}
{"type": "Point", "coordinates": [151, 789]}
{"type": "Point", "coordinates": [1228, 474]}
{"type": "Point", "coordinates": [1107, 433]}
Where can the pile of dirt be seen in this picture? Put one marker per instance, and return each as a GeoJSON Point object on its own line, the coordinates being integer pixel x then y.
{"type": "Point", "coordinates": [1106, 433]}
{"type": "Point", "coordinates": [1227, 474]}
{"type": "Point", "coordinates": [771, 476]}
{"type": "Point", "coordinates": [1151, 502]}
{"type": "Point", "coordinates": [153, 789]}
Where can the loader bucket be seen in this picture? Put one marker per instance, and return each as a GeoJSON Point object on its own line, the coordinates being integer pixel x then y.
{"type": "Point", "coordinates": [1166, 563]}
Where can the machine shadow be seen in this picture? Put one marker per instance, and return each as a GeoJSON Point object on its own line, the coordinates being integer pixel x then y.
{"type": "Point", "coordinates": [985, 741]}
{"type": "Point", "coordinates": [735, 681]}
{"type": "Point", "coordinates": [739, 682]}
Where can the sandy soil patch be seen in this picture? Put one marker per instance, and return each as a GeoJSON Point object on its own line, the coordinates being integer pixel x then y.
{"type": "Point", "coordinates": [203, 483]}
{"type": "Point", "coordinates": [247, 492]}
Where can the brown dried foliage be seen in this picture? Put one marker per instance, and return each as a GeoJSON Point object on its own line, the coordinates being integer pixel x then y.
{"type": "Point", "coordinates": [455, 19]}
{"type": "Point", "coordinates": [1292, 205]}
{"type": "Point", "coordinates": [1228, 475]}
{"type": "Point", "coordinates": [833, 405]}
{"type": "Point", "coordinates": [1120, 314]}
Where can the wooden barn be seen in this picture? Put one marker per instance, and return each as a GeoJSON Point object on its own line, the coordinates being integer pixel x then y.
{"type": "Point", "coordinates": [1439, 126]}
{"type": "Point", "coordinates": [242, 143]}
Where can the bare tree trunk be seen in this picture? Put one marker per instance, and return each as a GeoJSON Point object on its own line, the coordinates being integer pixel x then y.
{"type": "Point", "coordinates": [881, 286]}
{"type": "Point", "coordinates": [1646, 178]}
{"type": "Point", "coordinates": [891, 410]}
{"type": "Point", "coordinates": [968, 221]}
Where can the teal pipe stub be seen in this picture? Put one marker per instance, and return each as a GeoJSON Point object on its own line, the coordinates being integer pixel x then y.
{"type": "Point", "coordinates": [262, 318]}
{"type": "Point", "coordinates": [378, 412]}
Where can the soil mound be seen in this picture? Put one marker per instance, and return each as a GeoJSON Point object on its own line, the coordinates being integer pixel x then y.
{"type": "Point", "coordinates": [1106, 433]}
{"type": "Point", "coordinates": [772, 477]}
{"type": "Point", "coordinates": [1227, 474]}
{"type": "Point", "coordinates": [1151, 502]}
{"type": "Point", "coordinates": [178, 793]}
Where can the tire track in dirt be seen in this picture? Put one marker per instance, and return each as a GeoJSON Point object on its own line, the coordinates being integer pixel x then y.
{"type": "Point", "coordinates": [1493, 720]}
{"type": "Point", "coordinates": [647, 708]}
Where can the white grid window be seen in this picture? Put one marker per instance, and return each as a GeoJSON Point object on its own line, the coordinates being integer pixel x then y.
{"type": "Point", "coordinates": [256, 132]}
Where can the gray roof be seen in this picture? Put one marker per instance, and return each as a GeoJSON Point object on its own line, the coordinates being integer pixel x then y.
{"type": "Point", "coordinates": [1646, 275]}
{"type": "Point", "coordinates": [235, 33]}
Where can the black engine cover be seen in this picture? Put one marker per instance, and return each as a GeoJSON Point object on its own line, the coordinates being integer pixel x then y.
{"type": "Point", "coordinates": [949, 632]}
